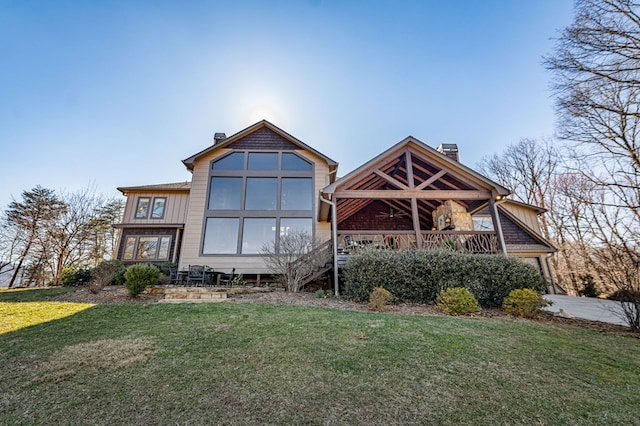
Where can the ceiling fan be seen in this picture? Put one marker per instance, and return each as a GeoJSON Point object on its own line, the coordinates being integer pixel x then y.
{"type": "Point", "coordinates": [391, 214]}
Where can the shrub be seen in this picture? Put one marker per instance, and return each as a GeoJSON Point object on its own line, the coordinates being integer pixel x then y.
{"type": "Point", "coordinates": [106, 273]}
{"type": "Point", "coordinates": [524, 302]}
{"type": "Point", "coordinates": [139, 276]}
{"type": "Point", "coordinates": [238, 280]}
{"type": "Point", "coordinates": [319, 294]}
{"type": "Point", "coordinates": [457, 300]}
{"type": "Point", "coordinates": [588, 286]}
{"type": "Point", "coordinates": [72, 277]}
{"type": "Point", "coordinates": [378, 298]}
{"type": "Point", "coordinates": [417, 276]}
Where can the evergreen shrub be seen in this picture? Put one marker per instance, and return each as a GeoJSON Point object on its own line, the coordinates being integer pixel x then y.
{"type": "Point", "coordinates": [419, 275]}
{"type": "Point", "coordinates": [524, 302]}
{"type": "Point", "coordinates": [457, 300]}
{"type": "Point", "coordinates": [378, 298]}
{"type": "Point", "coordinates": [74, 277]}
{"type": "Point", "coordinates": [140, 276]}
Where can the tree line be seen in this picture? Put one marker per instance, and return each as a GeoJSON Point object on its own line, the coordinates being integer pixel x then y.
{"type": "Point", "coordinates": [589, 177]}
{"type": "Point", "coordinates": [45, 232]}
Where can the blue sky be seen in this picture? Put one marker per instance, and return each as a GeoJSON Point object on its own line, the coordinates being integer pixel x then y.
{"type": "Point", "coordinates": [117, 93]}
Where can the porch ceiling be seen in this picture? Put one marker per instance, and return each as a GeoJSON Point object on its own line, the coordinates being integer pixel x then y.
{"type": "Point", "coordinates": [394, 181]}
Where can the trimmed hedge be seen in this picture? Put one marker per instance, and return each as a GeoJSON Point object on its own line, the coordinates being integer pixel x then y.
{"type": "Point", "coordinates": [419, 275]}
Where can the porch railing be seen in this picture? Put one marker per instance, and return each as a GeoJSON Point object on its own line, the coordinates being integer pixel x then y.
{"type": "Point", "coordinates": [465, 241]}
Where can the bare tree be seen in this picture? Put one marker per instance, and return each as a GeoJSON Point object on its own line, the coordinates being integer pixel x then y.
{"type": "Point", "coordinates": [527, 169]}
{"type": "Point", "coordinates": [596, 69]}
{"type": "Point", "coordinates": [295, 258]}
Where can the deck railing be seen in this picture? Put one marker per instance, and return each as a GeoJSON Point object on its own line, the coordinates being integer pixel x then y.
{"type": "Point", "coordinates": [465, 241]}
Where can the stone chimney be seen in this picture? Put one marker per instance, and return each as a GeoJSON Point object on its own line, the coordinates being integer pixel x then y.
{"type": "Point", "coordinates": [450, 150]}
{"type": "Point", "coordinates": [219, 137]}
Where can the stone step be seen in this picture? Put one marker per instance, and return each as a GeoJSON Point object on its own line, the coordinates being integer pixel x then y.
{"type": "Point", "coordinates": [191, 300]}
{"type": "Point", "coordinates": [193, 295]}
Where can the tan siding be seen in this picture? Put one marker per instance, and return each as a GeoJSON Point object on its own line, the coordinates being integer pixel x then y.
{"type": "Point", "coordinates": [191, 245]}
{"type": "Point", "coordinates": [175, 209]}
{"type": "Point", "coordinates": [526, 215]}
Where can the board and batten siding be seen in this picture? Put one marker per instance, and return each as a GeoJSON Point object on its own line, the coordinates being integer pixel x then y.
{"type": "Point", "coordinates": [526, 215]}
{"type": "Point", "coordinates": [193, 232]}
{"type": "Point", "coordinates": [175, 210]}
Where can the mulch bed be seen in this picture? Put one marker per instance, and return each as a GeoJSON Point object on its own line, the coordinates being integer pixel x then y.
{"type": "Point", "coordinates": [118, 295]}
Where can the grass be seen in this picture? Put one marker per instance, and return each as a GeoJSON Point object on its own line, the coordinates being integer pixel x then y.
{"type": "Point", "coordinates": [259, 364]}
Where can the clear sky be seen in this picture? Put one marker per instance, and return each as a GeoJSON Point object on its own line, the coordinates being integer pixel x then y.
{"type": "Point", "coordinates": [116, 93]}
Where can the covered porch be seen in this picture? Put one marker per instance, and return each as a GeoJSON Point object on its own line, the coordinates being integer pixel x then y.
{"type": "Point", "coordinates": [414, 197]}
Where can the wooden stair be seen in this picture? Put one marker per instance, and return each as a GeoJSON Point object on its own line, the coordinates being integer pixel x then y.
{"type": "Point", "coordinates": [191, 294]}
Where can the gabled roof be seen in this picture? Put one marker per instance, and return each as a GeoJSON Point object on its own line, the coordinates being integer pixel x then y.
{"type": "Point", "coordinates": [536, 236]}
{"type": "Point", "coordinates": [162, 187]}
{"type": "Point", "coordinates": [189, 162]}
{"type": "Point", "coordinates": [429, 152]}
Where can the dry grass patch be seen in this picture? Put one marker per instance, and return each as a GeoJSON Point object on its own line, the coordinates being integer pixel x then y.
{"type": "Point", "coordinates": [102, 356]}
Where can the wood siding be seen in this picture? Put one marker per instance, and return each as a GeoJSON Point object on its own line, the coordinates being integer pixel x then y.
{"type": "Point", "coordinates": [194, 232]}
{"type": "Point", "coordinates": [175, 210]}
{"type": "Point", "coordinates": [528, 216]}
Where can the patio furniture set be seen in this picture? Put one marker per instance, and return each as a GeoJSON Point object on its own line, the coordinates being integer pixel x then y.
{"type": "Point", "coordinates": [200, 275]}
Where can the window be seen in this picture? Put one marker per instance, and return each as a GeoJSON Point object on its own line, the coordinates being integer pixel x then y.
{"type": "Point", "coordinates": [263, 161]}
{"type": "Point", "coordinates": [290, 226]}
{"type": "Point", "coordinates": [221, 235]}
{"type": "Point", "coordinates": [293, 162]}
{"type": "Point", "coordinates": [256, 233]}
{"type": "Point", "coordinates": [296, 194]}
{"type": "Point", "coordinates": [234, 161]}
{"type": "Point", "coordinates": [262, 194]}
{"type": "Point", "coordinates": [142, 210]}
{"type": "Point", "coordinates": [129, 247]}
{"type": "Point", "coordinates": [147, 248]}
{"type": "Point", "coordinates": [482, 223]}
{"type": "Point", "coordinates": [158, 207]}
{"type": "Point", "coordinates": [255, 198]}
{"type": "Point", "coordinates": [225, 193]}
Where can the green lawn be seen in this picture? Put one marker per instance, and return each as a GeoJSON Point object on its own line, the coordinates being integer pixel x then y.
{"type": "Point", "coordinates": [234, 363]}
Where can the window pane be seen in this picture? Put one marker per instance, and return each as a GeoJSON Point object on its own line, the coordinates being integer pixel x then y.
{"type": "Point", "coordinates": [234, 161]}
{"type": "Point", "coordinates": [163, 252]}
{"type": "Point", "coordinates": [147, 248]}
{"type": "Point", "coordinates": [263, 161]}
{"type": "Point", "coordinates": [221, 235]}
{"type": "Point", "coordinates": [297, 226]}
{"type": "Point", "coordinates": [293, 162]}
{"type": "Point", "coordinates": [261, 194]}
{"type": "Point", "coordinates": [256, 233]}
{"type": "Point", "coordinates": [225, 193]}
{"type": "Point", "coordinates": [143, 207]}
{"type": "Point", "coordinates": [129, 245]}
{"type": "Point", "coordinates": [296, 194]}
{"type": "Point", "coordinates": [158, 208]}
{"type": "Point", "coordinates": [482, 223]}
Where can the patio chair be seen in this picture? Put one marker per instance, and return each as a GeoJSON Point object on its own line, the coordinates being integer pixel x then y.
{"type": "Point", "coordinates": [226, 279]}
{"type": "Point", "coordinates": [174, 278]}
{"type": "Point", "coordinates": [196, 275]}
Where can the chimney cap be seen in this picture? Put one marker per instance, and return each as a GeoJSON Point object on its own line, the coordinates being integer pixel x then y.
{"type": "Point", "coordinates": [444, 147]}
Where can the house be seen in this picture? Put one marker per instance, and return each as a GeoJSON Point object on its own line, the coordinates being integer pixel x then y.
{"type": "Point", "coordinates": [262, 183]}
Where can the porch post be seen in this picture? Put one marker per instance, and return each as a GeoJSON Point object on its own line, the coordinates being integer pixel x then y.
{"type": "Point", "coordinates": [416, 222]}
{"type": "Point", "coordinates": [334, 237]}
{"type": "Point", "coordinates": [493, 207]}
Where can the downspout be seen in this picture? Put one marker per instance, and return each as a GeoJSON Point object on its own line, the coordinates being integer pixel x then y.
{"type": "Point", "coordinates": [334, 245]}
{"type": "Point", "coordinates": [496, 222]}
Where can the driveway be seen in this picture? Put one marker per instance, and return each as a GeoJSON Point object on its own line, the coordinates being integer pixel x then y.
{"type": "Point", "coordinates": [588, 308]}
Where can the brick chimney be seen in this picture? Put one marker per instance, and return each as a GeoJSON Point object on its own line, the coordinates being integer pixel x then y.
{"type": "Point", "coordinates": [450, 150]}
{"type": "Point", "coordinates": [219, 137]}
